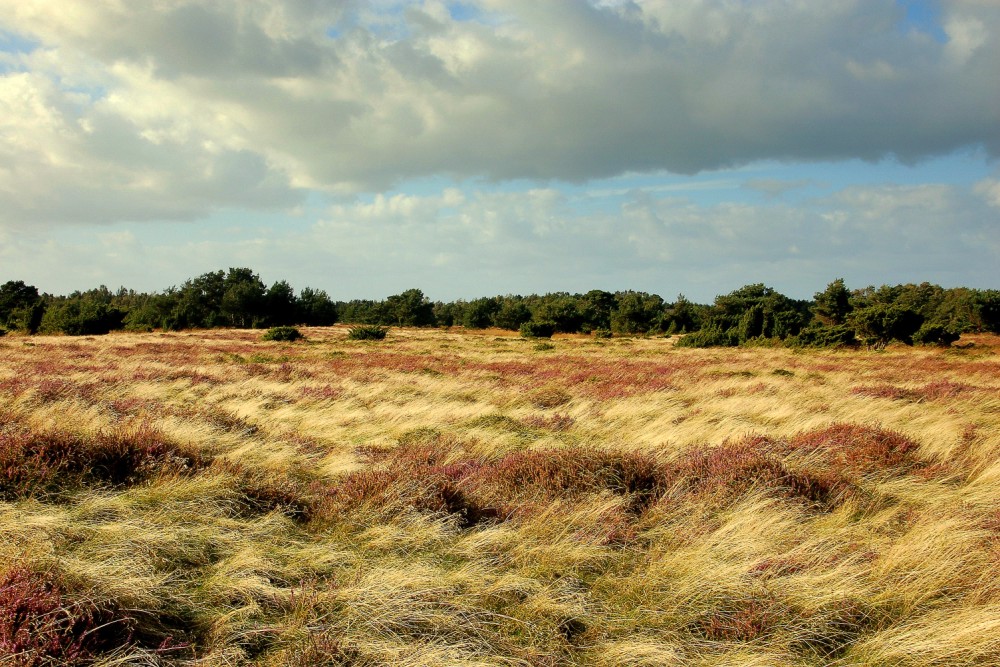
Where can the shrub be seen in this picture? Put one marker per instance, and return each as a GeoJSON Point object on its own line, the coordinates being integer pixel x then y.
{"type": "Point", "coordinates": [602, 333]}
{"type": "Point", "coordinates": [935, 334]}
{"type": "Point", "coordinates": [367, 332]}
{"type": "Point", "coordinates": [710, 337]}
{"type": "Point", "coordinates": [824, 336]}
{"type": "Point", "coordinates": [538, 329]}
{"type": "Point", "coordinates": [287, 334]}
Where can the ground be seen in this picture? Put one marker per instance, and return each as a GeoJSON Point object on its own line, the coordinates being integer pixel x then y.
{"type": "Point", "coordinates": [449, 498]}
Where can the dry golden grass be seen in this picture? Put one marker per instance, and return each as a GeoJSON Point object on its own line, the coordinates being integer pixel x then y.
{"type": "Point", "coordinates": [444, 498]}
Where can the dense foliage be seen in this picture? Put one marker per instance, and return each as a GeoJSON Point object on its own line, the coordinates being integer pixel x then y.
{"type": "Point", "coordinates": [752, 315]}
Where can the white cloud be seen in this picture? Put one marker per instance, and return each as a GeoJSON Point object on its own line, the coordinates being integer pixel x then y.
{"type": "Point", "coordinates": [989, 190]}
{"type": "Point", "coordinates": [465, 244]}
{"type": "Point", "coordinates": [190, 105]}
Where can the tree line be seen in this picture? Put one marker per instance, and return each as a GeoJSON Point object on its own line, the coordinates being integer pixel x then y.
{"type": "Point", "coordinates": [753, 314]}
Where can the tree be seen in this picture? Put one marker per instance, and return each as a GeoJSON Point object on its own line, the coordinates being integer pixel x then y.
{"type": "Point", "coordinates": [315, 308]}
{"type": "Point", "coordinates": [410, 309]}
{"type": "Point", "coordinates": [833, 305]}
{"type": "Point", "coordinates": [83, 314]}
{"type": "Point", "coordinates": [879, 324]}
{"type": "Point", "coordinates": [478, 314]}
{"type": "Point", "coordinates": [242, 298]}
{"type": "Point", "coordinates": [595, 308]}
{"type": "Point", "coordinates": [280, 307]}
{"type": "Point", "coordinates": [199, 302]}
{"type": "Point", "coordinates": [559, 308]}
{"type": "Point", "coordinates": [21, 308]}
{"type": "Point", "coordinates": [682, 316]}
{"type": "Point", "coordinates": [512, 314]}
{"type": "Point", "coordinates": [636, 312]}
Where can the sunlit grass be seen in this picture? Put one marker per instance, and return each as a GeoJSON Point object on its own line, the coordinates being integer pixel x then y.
{"type": "Point", "coordinates": [441, 498]}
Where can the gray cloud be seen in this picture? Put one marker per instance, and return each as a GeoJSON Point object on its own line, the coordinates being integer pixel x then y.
{"type": "Point", "coordinates": [190, 106]}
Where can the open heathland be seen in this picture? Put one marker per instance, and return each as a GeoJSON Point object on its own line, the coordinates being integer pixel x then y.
{"type": "Point", "coordinates": [439, 497]}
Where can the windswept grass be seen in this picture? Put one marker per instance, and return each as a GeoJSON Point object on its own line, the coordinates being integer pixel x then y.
{"type": "Point", "coordinates": [443, 498]}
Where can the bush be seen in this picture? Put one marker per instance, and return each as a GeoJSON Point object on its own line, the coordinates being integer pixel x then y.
{"type": "Point", "coordinates": [288, 334]}
{"type": "Point", "coordinates": [824, 336]}
{"type": "Point", "coordinates": [367, 332]}
{"type": "Point", "coordinates": [710, 337]}
{"type": "Point", "coordinates": [935, 334]}
{"type": "Point", "coordinates": [603, 333]}
{"type": "Point", "coordinates": [538, 329]}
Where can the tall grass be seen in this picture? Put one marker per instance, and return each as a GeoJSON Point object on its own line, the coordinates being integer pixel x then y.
{"type": "Point", "coordinates": [455, 499]}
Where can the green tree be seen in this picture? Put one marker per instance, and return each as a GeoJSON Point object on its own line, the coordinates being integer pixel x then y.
{"type": "Point", "coordinates": [315, 308]}
{"type": "Point", "coordinates": [478, 313]}
{"type": "Point", "coordinates": [242, 298]}
{"type": "Point", "coordinates": [833, 305]}
{"type": "Point", "coordinates": [21, 307]}
{"type": "Point", "coordinates": [83, 314]}
{"type": "Point", "coordinates": [410, 309]}
{"type": "Point", "coordinates": [280, 307]}
{"type": "Point", "coordinates": [512, 314]}
{"type": "Point", "coordinates": [880, 324]}
{"type": "Point", "coordinates": [636, 312]}
{"type": "Point", "coordinates": [595, 308]}
{"type": "Point", "coordinates": [681, 316]}
{"type": "Point", "coordinates": [559, 308]}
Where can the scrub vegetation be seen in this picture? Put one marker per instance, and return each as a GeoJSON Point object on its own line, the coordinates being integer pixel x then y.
{"type": "Point", "coordinates": [444, 497]}
{"type": "Point", "coordinates": [753, 315]}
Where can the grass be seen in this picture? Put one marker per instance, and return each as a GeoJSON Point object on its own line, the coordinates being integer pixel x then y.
{"type": "Point", "coordinates": [446, 498]}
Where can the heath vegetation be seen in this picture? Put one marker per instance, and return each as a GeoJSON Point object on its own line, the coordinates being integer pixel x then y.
{"type": "Point", "coordinates": [447, 497]}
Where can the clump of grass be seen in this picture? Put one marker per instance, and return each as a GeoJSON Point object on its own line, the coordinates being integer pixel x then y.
{"type": "Point", "coordinates": [413, 477]}
{"type": "Point", "coordinates": [549, 397]}
{"type": "Point", "coordinates": [260, 492]}
{"type": "Point", "coordinates": [367, 332]}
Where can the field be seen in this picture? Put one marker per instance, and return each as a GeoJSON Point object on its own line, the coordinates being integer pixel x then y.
{"type": "Point", "coordinates": [449, 498]}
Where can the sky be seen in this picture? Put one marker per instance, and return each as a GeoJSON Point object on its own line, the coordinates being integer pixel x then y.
{"type": "Point", "coordinates": [485, 147]}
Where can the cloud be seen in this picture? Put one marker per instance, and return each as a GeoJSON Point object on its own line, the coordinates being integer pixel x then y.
{"type": "Point", "coordinates": [127, 111]}
{"type": "Point", "coordinates": [773, 187]}
{"type": "Point", "coordinates": [465, 243]}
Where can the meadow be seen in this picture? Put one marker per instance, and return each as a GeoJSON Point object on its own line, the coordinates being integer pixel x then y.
{"type": "Point", "coordinates": [454, 498]}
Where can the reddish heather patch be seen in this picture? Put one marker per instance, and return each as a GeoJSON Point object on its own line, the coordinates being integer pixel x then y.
{"type": "Point", "coordinates": [324, 392]}
{"type": "Point", "coordinates": [565, 472]}
{"type": "Point", "coordinates": [556, 422]}
{"type": "Point", "coordinates": [945, 389]}
{"type": "Point", "coordinates": [777, 566]}
{"type": "Point", "coordinates": [39, 625]}
{"type": "Point", "coordinates": [742, 620]}
{"type": "Point", "coordinates": [850, 450]}
{"type": "Point", "coordinates": [33, 463]}
{"type": "Point", "coordinates": [14, 386]}
{"type": "Point", "coordinates": [735, 468]}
